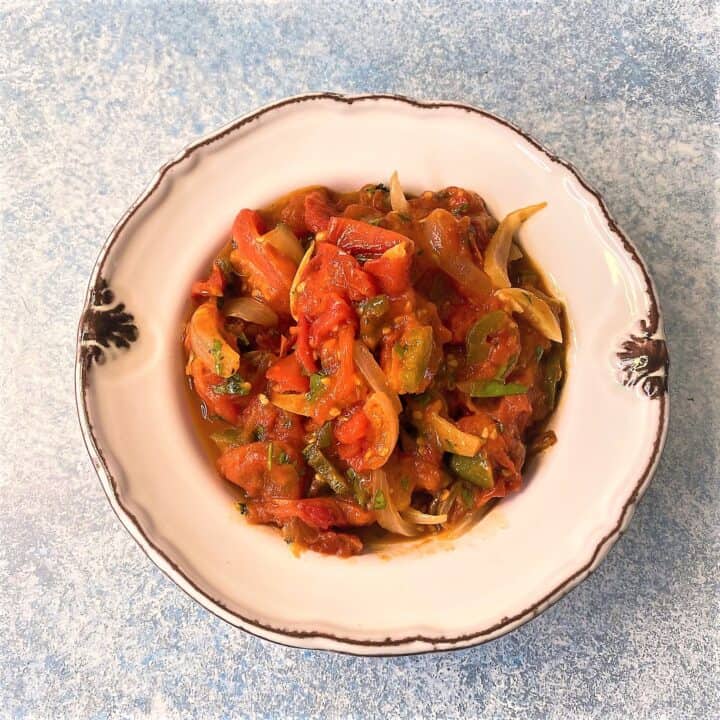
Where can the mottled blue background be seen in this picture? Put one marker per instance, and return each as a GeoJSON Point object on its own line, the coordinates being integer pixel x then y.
{"type": "Point", "coordinates": [94, 97]}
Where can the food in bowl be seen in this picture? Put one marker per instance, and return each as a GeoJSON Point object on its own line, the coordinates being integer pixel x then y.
{"type": "Point", "coordinates": [368, 362]}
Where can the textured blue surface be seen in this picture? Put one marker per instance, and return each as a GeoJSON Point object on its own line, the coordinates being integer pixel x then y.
{"type": "Point", "coordinates": [94, 97]}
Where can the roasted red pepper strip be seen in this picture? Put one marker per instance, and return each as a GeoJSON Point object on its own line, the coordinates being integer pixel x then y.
{"type": "Point", "coordinates": [287, 375]}
{"type": "Point", "coordinates": [302, 346]}
{"type": "Point", "coordinates": [392, 268]}
{"type": "Point", "coordinates": [214, 286]}
{"type": "Point", "coordinates": [318, 210]}
{"type": "Point", "coordinates": [268, 272]}
{"type": "Point", "coordinates": [356, 236]}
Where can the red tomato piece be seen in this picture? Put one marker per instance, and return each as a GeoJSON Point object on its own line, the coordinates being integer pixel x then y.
{"type": "Point", "coordinates": [228, 407]}
{"type": "Point", "coordinates": [318, 210]}
{"type": "Point", "coordinates": [214, 286]}
{"type": "Point", "coordinates": [356, 236]}
{"type": "Point", "coordinates": [392, 269]}
{"type": "Point", "coordinates": [263, 469]}
{"type": "Point", "coordinates": [268, 272]}
{"type": "Point", "coordinates": [287, 375]}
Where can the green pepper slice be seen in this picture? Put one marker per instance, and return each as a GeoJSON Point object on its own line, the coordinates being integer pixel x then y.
{"type": "Point", "coordinates": [476, 345]}
{"type": "Point", "coordinates": [326, 470]}
{"type": "Point", "coordinates": [476, 470]}
{"type": "Point", "coordinates": [491, 388]}
{"type": "Point", "coordinates": [413, 353]}
{"type": "Point", "coordinates": [372, 312]}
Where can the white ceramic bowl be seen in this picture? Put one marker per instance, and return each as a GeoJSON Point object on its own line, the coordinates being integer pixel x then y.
{"type": "Point", "coordinates": [531, 548]}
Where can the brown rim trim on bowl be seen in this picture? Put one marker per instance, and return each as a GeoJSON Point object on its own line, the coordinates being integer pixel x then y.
{"type": "Point", "coordinates": [650, 326]}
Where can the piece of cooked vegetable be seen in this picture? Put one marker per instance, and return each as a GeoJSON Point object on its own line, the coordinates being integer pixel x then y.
{"type": "Point", "coordinates": [535, 309]}
{"type": "Point", "coordinates": [491, 388]}
{"type": "Point", "coordinates": [266, 271]}
{"type": "Point", "coordinates": [372, 312]}
{"type": "Point", "coordinates": [285, 241]}
{"type": "Point", "coordinates": [297, 403]}
{"type": "Point", "coordinates": [454, 440]}
{"type": "Point", "coordinates": [476, 346]}
{"type": "Point", "coordinates": [385, 429]}
{"type": "Point", "coordinates": [296, 287]}
{"type": "Point", "coordinates": [552, 376]}
{"type": "Point", "coordinates": [208, 343]}
{"type": "Point", "coordinates": [476, 470]}
{"type": "Point", "coordinates": [515, 253]}
{"type": "Point", "coordinates": [251, 310]}
{"type": "Point", "coordinates": [326, 470]}
{"type": "Point", "coordinates": [498, 249]}
{"type": "Point", "coordinates": [234, 385]}
{"type": "Point", "coordinates": [398, 201]}
{"type": "Point", "coordinates": [421, 518]}
{"type": "Point", "coordinates": [386, 513]}
{"type": "Point", "coordinates": [441, 240]}
{"type": "Point", "coordinates": [357, 237]}
{"type": "Point", "coordinates": [411, 359]}
{"type": "Point", "coordinates": [372, 373]}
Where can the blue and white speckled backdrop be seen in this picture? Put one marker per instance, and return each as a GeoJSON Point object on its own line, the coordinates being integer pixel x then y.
{"type": "Point", "coordinates": [95, 96]}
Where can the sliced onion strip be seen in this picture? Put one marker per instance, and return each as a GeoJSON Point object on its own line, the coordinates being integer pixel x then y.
{"type": "Point", "coordinates": [252, 310]}
{"type": "Point", "coordinates": [421, 518]}
{"type": "Point", "coordinates": [292, 402]}
{"type": "Point", "coordinates": [295, 287]}
{"type": "Point", "coordinates": [535, 309]}
{"type": "Point", "coordinates": [388, 517]}
{"type": "Point", "coordinates": [454, 440]}
{"type": "Point", "coordinates": [398, 201]}
{"type": "Point", "coordinates": [385, 430]}
{"type": "Point", "coordinates": [373, 373]}
{"type": "Point", "coordinates": [498, 249]}
{"type": "Point", "coordinates": [283, 239]}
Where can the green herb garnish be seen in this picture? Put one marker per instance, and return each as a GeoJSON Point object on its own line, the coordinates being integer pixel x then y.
{"type": "Point", "coordinates": [216, 352]}
{"type": "Point", "coordinates": [317, 387]}
{"type": "Point", "coordinates": [234, 385]}
{"type": "Point", "coordinates": [379, 502]}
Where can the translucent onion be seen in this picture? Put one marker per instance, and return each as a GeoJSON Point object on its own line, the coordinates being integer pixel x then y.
{"type": "Point", "coordinates": [454, 440]}
{"type": "Point", "coordinates": [534, 309]}
{"type": "Point", "coordinates": [389, 517]}
{"type": "Point", "coordinates": [373, 373]}
{"type": "Point", "coordinates": [385, 430]}
{"type": "Point", "coordinates": [398, 201]}
{"type": "Point", "coordinates": [208, 343]}
{"type": "Point", "coordinates": [283, 239]}
{"type": "Point", "coordinates": [421, 518]}
{"type": "Point", "coordinates": [295, 288]}
{"type": "Point", "coordinates": [445, 506]}
{"type": "Point", "coordinates": [498, 249]}
{"type": "Point", "coordinates": [515, 253]}
{"type": "Point", "coordinates": [252, 310]}
{"type": "Point", "coordinates": [292, 402]}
